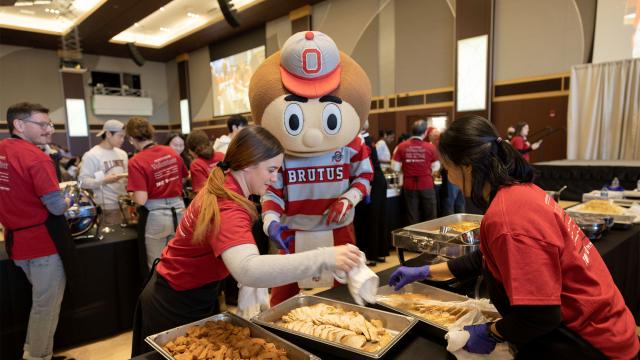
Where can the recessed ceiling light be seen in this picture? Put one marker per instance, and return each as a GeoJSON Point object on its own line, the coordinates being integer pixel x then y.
{"type": "Point", "coordinates": [200, 14]}
{"type": "Point", "coordinates": [23, 3]}
{"type": "Point", "coordinates": [136, 24]}
{"type": "Point", "coordinates": [164, 29]}
{"type": "Point", "coordinates": [42, 2]}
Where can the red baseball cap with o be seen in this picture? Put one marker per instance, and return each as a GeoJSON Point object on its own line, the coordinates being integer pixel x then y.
{"type": "Point", "coordinates": [310, 64]}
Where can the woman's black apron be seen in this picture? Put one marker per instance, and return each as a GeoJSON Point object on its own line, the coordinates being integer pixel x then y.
{"type": "Point", "coordinates": [561, 343]}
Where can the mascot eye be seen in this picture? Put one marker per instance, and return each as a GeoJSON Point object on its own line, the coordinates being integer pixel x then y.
{"type": "Point", "coordinates": [331, 119]}
{"type": "Point", "coordinates": [293, 119]}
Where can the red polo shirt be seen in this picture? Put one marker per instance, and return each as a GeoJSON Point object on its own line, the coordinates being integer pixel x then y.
{"type": "Point", "coordinates": [159, 171]}
{"type": "Point", "coordinates": [26, 174]}
{"type": "Point", "coordinates": [188, 266]}
{"type": "Point", "coordinates": [416, 157]}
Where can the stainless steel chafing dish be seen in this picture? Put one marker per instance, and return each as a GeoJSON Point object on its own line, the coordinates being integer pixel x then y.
{"type": "Point", "coordinates": [157, 341]}
{"type": "Point", "coordinates": [397, 325]}
{"type": "Point", "coordinates": [436, 237]}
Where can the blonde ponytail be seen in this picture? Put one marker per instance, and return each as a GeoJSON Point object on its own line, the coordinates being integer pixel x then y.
{"type": "Point", "coordinates": [207, 199]}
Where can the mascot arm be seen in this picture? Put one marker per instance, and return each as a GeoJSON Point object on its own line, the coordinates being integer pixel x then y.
{"type": "Point", "coordinates": [361, 171]}
{"type": "Point", "coordinates": [273, 203]}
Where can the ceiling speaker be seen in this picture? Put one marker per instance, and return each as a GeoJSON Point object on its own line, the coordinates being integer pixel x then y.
{"type": "Point", "coordinates": [135, 55]}
{"type": "Point", "coordinates": [229, 12]}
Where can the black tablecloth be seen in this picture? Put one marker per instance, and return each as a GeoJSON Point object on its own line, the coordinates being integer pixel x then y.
{"type": "Point", "coordinates": [100, 305]}
{"type": "Point", "coordinates": [619, 249]}
{"type": "Point", "coordinates": [583, 179]}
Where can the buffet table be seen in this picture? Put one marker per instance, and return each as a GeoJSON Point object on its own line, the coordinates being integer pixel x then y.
{"type": "Point", "coordinates": [620, 250]}
{"type": "Point", "coordinates": [101, 304]}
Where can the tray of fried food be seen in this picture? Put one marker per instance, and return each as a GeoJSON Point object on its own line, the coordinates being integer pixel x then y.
{"type": "Point", "coordinates": [341, 328]}
{"type": "Point", "coordinates": [224, 336]}
{"type": "Point", "coordinates": [435, 307]}
{"type": "Point", "coordinates": [605, 208]}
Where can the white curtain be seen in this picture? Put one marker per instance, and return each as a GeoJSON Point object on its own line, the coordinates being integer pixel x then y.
{"type": "Point", "coordinates": [603, 121]}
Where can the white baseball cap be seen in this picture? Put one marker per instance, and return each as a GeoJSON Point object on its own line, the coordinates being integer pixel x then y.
{"type": "Point", "coordinates": [112, 126]}
{"type": "Point", "coordinates": [310, 64]}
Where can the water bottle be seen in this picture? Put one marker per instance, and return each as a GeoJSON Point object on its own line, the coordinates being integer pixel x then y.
{"type": "Point", "coordinates": [604, 192]}
{"type": "Point", "coordinates": [615, 183]}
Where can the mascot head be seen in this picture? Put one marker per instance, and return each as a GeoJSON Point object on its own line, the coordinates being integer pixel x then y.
{"type": "Point", "coordinates": [311, 96]}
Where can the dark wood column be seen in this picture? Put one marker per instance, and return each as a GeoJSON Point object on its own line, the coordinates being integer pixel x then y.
{"type": "Point", "coordinates": [474, 18]}
{"type": "Point", "coordinates": [73, 88]}
{"type": "Point", "coordinates": [183, 84]}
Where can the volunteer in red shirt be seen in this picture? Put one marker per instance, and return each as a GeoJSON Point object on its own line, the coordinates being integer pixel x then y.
{"type": "Point", "coordinates": [36, 232]}
{"type": "Point", "coordinates": [519, 141]}
{"type": "Point", "coordinates": [416, 158]}
{"type": "Point", "coordinates": [205, 158]}
{"type": "Point", "coordinates": [156, 173]}
{"type": "Point", "coordinates": [214, 239]}
{"type": "Point", "coordinates": [547, 280]}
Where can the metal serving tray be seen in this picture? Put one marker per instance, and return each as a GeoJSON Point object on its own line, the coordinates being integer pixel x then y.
{"type": "Point", "coordinates": [619, 219]}
{"type": "Point", "coordinates": [426, 237]}
{"type": "Point", "coordinates": [157, 341]}
{"type": "Point", "coordinates": [397, 325]}
{"type": "Point", "coordinates": [419, 288]}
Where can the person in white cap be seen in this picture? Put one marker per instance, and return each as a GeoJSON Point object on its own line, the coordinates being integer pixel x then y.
{"type": "Point", "coordinates": [104, 171]}
{"type": "Point", "coordinates": [314, 99]}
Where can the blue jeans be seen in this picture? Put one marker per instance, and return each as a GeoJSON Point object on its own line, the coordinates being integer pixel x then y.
{"type": "Point", "coordinates": [47, 279]}
{"type": "Point", "coordinates": [160, 228]}
{"type": "Point", "coordinates": [454, 203]}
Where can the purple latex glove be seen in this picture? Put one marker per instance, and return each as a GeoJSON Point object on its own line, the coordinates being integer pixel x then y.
{"type": "Point", "coordinates": [405, 274]}
{"type": "Point", "coordinates": [275, 230]}
{"type": "Point", "coordinates": [479, 342]}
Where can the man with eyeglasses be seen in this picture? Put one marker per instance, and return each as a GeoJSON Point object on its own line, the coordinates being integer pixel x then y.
{"type": "Point", "coordinates": [36, 232]}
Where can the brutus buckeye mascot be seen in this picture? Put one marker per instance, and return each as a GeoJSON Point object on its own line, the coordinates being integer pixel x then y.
{"type": "Point", "coordinates": [314, 99]}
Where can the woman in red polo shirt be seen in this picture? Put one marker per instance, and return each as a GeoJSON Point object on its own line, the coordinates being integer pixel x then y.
{"type": "Point", "coordinates": [519, 141]}
{"type": "Point", "coordinates": [156, 173]}
{"type": "Point", "coordinates": [205, 158]}
{"type": "Point", "coordinates": [214, 239]}
{"type": "Point", "coordinates": [552, 288]}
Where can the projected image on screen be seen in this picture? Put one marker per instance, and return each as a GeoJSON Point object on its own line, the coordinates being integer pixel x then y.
{"type": "Point", "coordinates": [231, 76]}
{"type": "Point", "coordinates": [617, 34]}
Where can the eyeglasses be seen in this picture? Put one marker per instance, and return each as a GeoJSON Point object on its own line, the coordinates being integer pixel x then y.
{"type": "Point", "coordinates": [43, 125]}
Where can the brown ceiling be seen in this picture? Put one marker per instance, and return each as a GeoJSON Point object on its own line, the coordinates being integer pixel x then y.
{"type": "Point", "coordinates": [117, 15]}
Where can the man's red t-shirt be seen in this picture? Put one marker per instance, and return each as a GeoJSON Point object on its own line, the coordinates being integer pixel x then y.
{"type": "Point", "coordinates": [26, 174]}
{"type": "Point", "coordinates": [416, 157]}
{"type": "Point", "coordinates": [521, 144]}
{"type": "Point", "coordinates": [541, 257]}
{"type": "Point", "coordinates": [201, 168]}
{"type": "Point", "coordinates": [159, 171]}
{"type": "Point", "coordinates": [188, 266]}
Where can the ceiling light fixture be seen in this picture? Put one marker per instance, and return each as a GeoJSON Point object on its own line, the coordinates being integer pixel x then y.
{"type": "Point", "coordinates": [69, 13]}
{"type": "Point", "coordinates": [200, 14]}
{"type": "Point", "coordinates": [42, 2]}
{"type": "Point", "coordinates": [23, 3]}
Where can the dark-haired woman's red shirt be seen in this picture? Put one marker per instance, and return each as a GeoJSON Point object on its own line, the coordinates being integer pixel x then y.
{"type": "Point", "coordinates": [521, 145]}
{"type": "Point", "coordinates": [541, 257]}
{"type": "Point", "coordinates": [201, 168]}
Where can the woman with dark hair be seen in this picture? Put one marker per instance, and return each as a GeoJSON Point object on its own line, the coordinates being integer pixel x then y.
{"type": "Point", "coordinates": [205, 161]}
{"type": "Point", "coordinates": [552, 288]}
{"type": "Point", "coordinates": [214, 240]}
{"type": "Point", "coordinates": [176, 141]}
{"type": "Point", "coordinates": [156, 173]}
{"type": "Point", "coordinates": [519, 140]}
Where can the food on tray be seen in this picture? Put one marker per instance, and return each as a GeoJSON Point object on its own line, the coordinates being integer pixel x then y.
{"type": "Point", "coordinates": [464, 226]}
{"type": "Point", "coordinates": [335, 324]}
{"type": "Point", "coordinates": [222, 340]}
{"type": "Point", "coordinates": [600, 207]}
{"type": "Point", "coordinates": [422, 306]}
